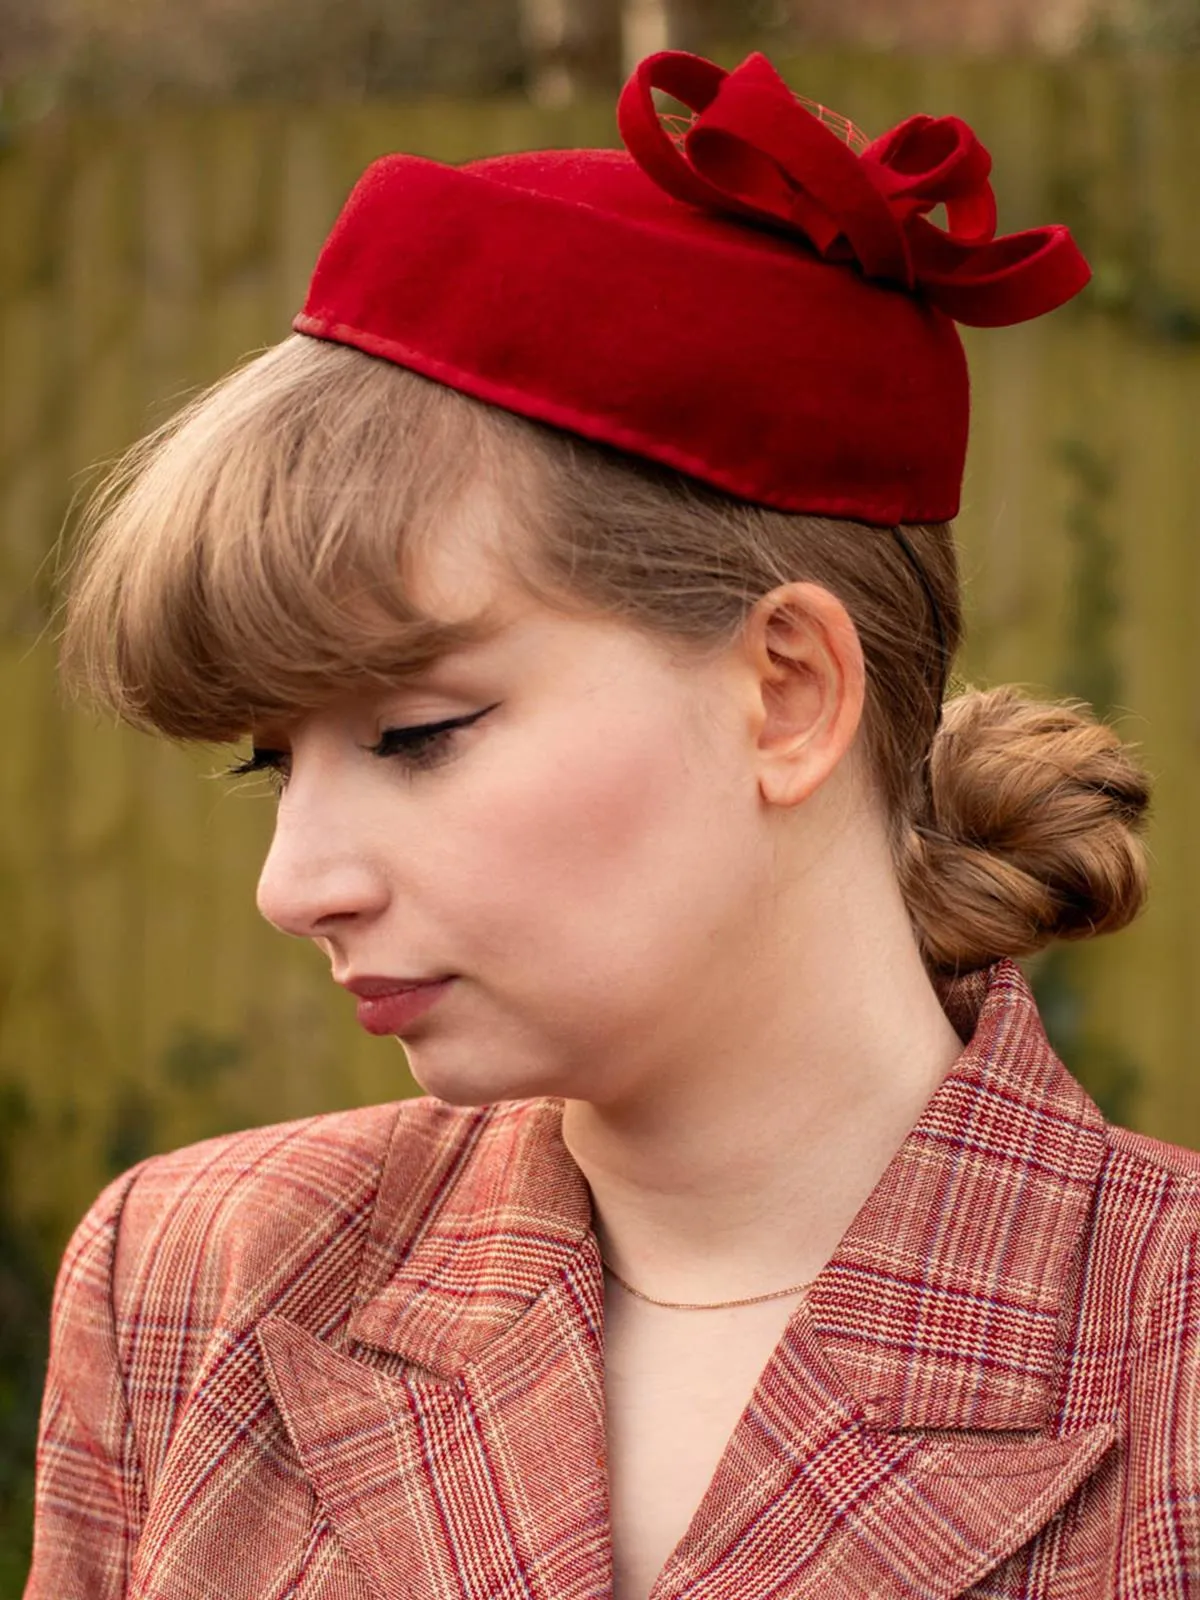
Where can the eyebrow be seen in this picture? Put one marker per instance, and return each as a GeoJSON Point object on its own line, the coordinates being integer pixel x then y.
{"type": "Point", "coordinates": [436, 644]}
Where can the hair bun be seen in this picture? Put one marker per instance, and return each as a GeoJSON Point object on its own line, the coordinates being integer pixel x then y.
{"type": "Point", "coordinates": [1032, 835]}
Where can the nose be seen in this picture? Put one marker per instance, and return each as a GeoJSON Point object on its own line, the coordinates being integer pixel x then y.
{"type": "Point", "coordinates": [319, 876]}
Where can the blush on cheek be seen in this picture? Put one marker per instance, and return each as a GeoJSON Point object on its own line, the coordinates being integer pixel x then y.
{"type": "Point", "coordinates": [579, 880]}
{"type": "Point", "coordinates": [603, 807]}
{"type": "Point", "coordinates": [591, 875]}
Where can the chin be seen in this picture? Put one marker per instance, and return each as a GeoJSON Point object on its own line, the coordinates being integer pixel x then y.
{"type": "Point", "coordinates": [444, 1072]}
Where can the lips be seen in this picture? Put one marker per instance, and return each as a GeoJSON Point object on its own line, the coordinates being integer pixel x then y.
{"type": "Point", "coordinates": [392, 1005]}
{"type": "Point", "coordinates": [371, 988]}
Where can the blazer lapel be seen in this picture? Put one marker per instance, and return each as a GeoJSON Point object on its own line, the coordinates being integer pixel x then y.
{"type": "Point", "coordinates": [903, 1439]}
{"type": "Point", "coordinates": [456, 1442]}
{"type": "Point", "coordinates": [943, 1305]}
{"type": "Point", "coordinates": [814, 1502]}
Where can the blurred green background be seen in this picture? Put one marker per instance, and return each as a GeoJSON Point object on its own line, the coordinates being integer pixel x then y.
{"type": "Point", "coordinates": [168, 169]}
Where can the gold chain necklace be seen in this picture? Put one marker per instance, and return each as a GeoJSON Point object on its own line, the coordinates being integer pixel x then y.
{"type": "Point", "coordinates": [711, 1305]}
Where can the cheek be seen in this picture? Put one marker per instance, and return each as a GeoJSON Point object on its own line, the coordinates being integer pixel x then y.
{"type": "Point", "coordinates": [599, 837]}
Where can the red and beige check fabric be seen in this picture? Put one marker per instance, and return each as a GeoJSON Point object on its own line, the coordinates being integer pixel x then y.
{"type": "Point", "coordinates": [360, 1357]}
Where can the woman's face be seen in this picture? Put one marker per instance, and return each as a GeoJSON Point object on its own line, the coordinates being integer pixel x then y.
{"type": "Point", "coordinates": [586, 858]}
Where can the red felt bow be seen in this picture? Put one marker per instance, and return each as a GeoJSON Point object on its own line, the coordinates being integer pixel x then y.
{"type": "Point", "coordinates": [753, 150]}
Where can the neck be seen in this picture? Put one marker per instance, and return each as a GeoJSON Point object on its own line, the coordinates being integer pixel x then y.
{"type": "Point", "coordinates": [739, 1168]}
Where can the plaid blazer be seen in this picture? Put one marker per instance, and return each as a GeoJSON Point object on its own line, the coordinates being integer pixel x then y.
{"type": "Point", "coordinates": [359, 1357]}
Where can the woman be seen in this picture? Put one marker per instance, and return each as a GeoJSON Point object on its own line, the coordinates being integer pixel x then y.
{"type": "Point", "coordinates": [581, 573]}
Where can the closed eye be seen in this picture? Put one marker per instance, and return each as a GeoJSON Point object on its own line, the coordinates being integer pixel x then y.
{"type": "Point", "coordinates": [425, 744]}
{"type": "Point", "coordinates": [417, 747]}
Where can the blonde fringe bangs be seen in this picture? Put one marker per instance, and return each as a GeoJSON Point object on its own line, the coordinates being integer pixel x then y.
{"type": "Point", "coordinates": [249, 560]}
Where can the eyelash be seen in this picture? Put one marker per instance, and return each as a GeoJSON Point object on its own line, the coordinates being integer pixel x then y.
{"type": "Point", "coordinates": [418, 748]}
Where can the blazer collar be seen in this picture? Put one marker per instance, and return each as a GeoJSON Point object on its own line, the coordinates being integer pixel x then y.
{"type": "Point", "coordinates": [940, 1307]}
{"type": "Point", "coordinates": [492, 1219]}
{"type": "Point", "coordinates": [914, 1387]}
{"type": "Point", "coordinates": [469, 1461]}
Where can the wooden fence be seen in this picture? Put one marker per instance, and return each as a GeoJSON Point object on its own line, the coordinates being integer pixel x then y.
{"type": "Point", "coordinates": [142, 1003]}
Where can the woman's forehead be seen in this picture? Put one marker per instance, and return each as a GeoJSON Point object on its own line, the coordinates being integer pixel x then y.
{"type": "Point", "coordinates": [461, 567]}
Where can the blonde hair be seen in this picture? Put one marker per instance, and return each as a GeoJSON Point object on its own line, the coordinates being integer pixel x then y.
{"type": "Point", "coordinates": [252, 559]}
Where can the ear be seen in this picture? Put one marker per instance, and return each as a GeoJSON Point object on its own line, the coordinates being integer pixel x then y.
{"type": "Point", "coordinates": [807, 660]}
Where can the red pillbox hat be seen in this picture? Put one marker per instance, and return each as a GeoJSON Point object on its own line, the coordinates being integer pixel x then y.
{"type": "Point", "coordinates": [751, 296]}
